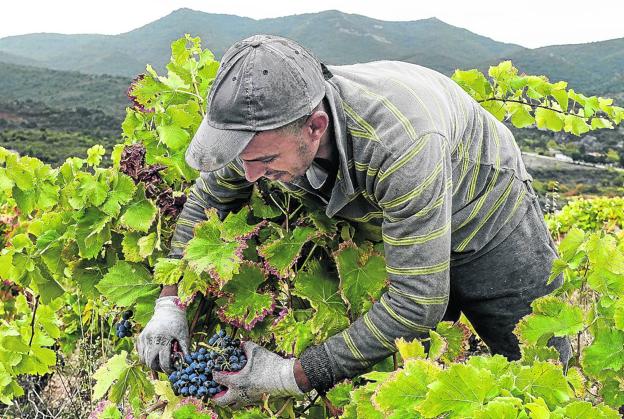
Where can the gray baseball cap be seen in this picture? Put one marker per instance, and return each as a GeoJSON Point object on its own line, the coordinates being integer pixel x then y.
{"type": "Point", "coordinates": [264, 82]}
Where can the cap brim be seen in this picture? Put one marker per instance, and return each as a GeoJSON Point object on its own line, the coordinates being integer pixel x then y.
{"type": "Point", "coordinates": [212, 148]}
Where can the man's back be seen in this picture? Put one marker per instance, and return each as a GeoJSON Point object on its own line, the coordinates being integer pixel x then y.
{"type": "Point", "coordinates": [388, 107]}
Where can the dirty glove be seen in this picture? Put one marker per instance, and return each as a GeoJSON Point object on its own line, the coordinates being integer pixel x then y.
{"type": "Point", "coordinates": [264, 373]}
{"type": "Point", "coordinates": [166, 325]}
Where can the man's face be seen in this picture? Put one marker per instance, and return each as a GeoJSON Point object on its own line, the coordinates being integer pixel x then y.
{"type": "Point", "coordinates": [279, 155]}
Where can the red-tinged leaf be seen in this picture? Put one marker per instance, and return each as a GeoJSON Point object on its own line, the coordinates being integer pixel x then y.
{"type": "Point", "coordinates": [243, 305]}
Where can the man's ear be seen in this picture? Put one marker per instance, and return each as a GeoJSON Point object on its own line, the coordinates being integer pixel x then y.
{"type": "Point", "coordinates": [317, 124]}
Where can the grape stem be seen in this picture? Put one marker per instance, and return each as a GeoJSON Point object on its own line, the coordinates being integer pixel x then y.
{"type": "Point", "coordinates": [32, 323]}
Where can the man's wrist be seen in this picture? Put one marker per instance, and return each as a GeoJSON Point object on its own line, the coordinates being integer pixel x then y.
{"type": "Point", "coordinates": [169, 291]}
{"type": "Point", "coordinates": [300, 378]}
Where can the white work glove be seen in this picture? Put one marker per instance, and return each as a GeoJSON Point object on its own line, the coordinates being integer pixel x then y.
{"type": "Point", "coordinates": [166, 325]}
{"type": "Point", "coordinates": [264, 373]}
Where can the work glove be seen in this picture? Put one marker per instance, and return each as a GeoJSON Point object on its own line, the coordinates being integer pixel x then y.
{"type": "Point", "coordinates": [264, 373]}
{"type": "Point", "coordinates": [166, 325]}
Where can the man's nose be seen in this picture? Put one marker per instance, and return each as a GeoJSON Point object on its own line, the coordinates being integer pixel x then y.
{"type": "Point", "coordinates": [253, 171]}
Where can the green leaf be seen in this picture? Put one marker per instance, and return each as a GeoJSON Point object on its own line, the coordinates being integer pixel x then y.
{"type": "Point", "coordinates": [362, 275]}
{"type": "Point", "coordinates": [361, 405]}
{"type": "Point", "coordinates": [245, 306]}
{"type": "Point", "coordinates": [282, 253]}
{"type": "Point", "coordinates": [235, 226]}
{"type": "Point", "coordinates": [458, 391]}
{"type": "Point", "coordinates": [406, 388]}
{"type": "Point", "coordinates": [583, 410]}
{"type": "Point", "coordinates": [122, 190]}
{"type": "Point", "coordinates": [330, 312]}
{"type": "Point", "coordinates": [173, 136]}
{"type": "Point", "coordinates": [140, 214]}
{"type": "Point", "coordinates": [339, 394]}
{"type": "Point", "coordinates": [207, 252]}
{"type": "Point", "coordinates": [456, 338]}
{"type": "Point", "coordinates": [260, 208]}
{"type": "Point", "coordinates": [409, 350]}
{"type": "Point", "coordinates": [473, 82]}
{"type": "Point", "coordinates": [130, 246]}
{"type": "Point", "coordinates": [125, 282]}
{"type": "Point", "coordinates": [501, 408]}
{"type": "Point", "coordinates": [108, 373]}
{"type": "Point", "coordinates": [133, 384]}
{"type": "Point", "coordinates": [549, 119]}
{"type": "Point", "coordinates": [618, 314]}
{"type": "Point", "coordinates": [551, 317]}
{"type": "Point", "coordinates": [292, 336]}
{"type": "Point", "coordinates": [92, 231]}
{"type": "Point", "coordinates": [606, 352]}
{"type": "Point", "coordinates": [147, 245]}
{"type": "Point", "coordinates": [94, 155]}
{"type": "Point", "coordinates": [168, 271]}
{"type": "Point", "coordinates": [45, 285]}
{"type": "Point", "coordinates": [571, 243]}
{"type": "Point", "coordinates": [576, 125]}
{"type": "Point", "coordinates": [520, 115]}
{"type": "Point", "coordinates": [546, 380]}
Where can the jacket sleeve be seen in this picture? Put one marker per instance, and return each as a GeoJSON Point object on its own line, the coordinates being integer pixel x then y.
{"type": "Point", "coordinates": [414, 189]}
{"type": "Point", "coordinates": [226, 190]}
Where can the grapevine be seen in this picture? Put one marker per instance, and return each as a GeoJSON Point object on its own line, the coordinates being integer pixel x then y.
{"type": "Point", "coordinates": [81, 243]}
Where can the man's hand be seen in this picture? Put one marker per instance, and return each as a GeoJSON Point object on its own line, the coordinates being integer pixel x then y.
{"type": "Point", "coordinates": [264, 373]}
{"type": "Point", "coordinates": [166, 325]}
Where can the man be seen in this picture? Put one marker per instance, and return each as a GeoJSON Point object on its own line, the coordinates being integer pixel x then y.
{"type": "Point", "coordinates": [388, 143]}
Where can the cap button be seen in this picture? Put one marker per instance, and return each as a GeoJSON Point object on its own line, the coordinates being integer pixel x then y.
{"type": "Point", "coordinates": [255, 43]}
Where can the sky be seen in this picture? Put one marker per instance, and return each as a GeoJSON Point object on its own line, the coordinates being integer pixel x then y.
{"type": "Point", "coordinates": [530, 23]}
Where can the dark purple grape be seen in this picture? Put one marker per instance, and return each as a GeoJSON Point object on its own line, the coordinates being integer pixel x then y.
{"type": "Point", "coordinates": [127, 314]}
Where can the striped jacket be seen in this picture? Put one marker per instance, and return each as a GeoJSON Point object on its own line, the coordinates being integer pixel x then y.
{"type": "Point", "coordinates": [419, 158]}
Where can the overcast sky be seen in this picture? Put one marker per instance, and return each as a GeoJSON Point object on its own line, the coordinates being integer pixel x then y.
{"type": "Point", "coordinates": [531, 23]}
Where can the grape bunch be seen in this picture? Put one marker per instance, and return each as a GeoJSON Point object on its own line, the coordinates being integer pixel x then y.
{"type": "Point", "coordinates": [124, 327]}
{"type": "Point", "coordinates": [193, 375]}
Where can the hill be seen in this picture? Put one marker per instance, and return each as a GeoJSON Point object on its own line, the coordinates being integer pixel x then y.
{"type": "Point", "coordinates": [336, 37]}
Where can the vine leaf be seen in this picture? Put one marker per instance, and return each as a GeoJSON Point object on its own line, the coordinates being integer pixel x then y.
{"type": "Point", "coordinates": [362, 275]}
{"type": "Point", "coordinates": [140, 214]}
{"type": "Point", "coordinates": [292, 336]}
{"type": "Point", "coordinates": [207, 252]}
{"type": "Point", "coordinates": [361, 405]}
{"type": "Point", "coordinates": [108, 373]}
{"type": "Point", "coordinates": [330, 312]}
{"type": "Point", "coordinates": [282, 253]}
{"type": "Point", "coordinates": [121, 193]}
{"type": "Point", "coordinates": [125, 282]}
{"type": "Point", "coordinates": [583, 409]}
{"type": "Point", "coordinates": [409, 350]}
{"type": "Point", "coordinates": [339, 394]}
{"type": "Point", "coordinates": [168, 271]}
{"type": "Point", "coordinates": [260, 208]}
{"type": "Point", "coordinates": [546, 380]}
{"type": "Point", "coordinates": [92, 231]}
{"type": "Point", "coordinates": [456, 338]}
{"type": "Point", "coordinates": [550, 316]}
{"type": "Point", "coordinates": [460, 389]}
{"type": "Point", "coordinates": [406, 388]}
{"type": "Point", "coordinates": [244, 306]}
{"type": "Point", "coordinates": [606, 352]}
{"type": "Point", "coordinates": [235, 226]}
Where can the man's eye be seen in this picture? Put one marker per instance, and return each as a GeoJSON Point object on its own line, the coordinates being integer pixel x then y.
{"type": "Point", "coordinates": [268, 160]}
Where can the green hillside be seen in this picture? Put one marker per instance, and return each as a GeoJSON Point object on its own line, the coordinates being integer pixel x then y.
{"type": "Point", "coordinates": [336, 37]}
{"type": "Point", "coordinates": [63, 89]}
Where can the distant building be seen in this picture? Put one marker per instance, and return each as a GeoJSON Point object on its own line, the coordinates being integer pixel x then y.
{"type": "Point", "coordinates": [563, 157]}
